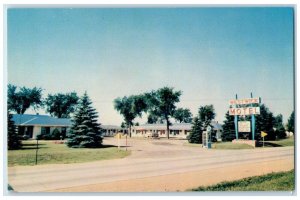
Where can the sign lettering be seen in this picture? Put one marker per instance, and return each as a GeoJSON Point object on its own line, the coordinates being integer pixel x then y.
{"type": "Point", "coordinates": [244, 111]}
{"type": "Point", "coordinates": [244, 126]}
{"type": "Point", "coordinates": [244, 101]}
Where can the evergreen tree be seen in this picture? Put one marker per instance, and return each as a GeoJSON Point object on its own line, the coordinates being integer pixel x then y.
{"type": "Point", "coordinates": [228, 128]}
{"type": "Point", "coordinates": [85, 130]}
{"type": "Point", "coordinates": [196, 133]}
{"type": "Point", "coordinates": [291, 123]}
{"type": "Point", "coordinates": [205, 115]}
{"type": "Point", "coordinates": [13, 140]}
{"type": "Point", "coordinates": [279, 128]}
{"type": "Point", "coordinates": [265, 122]}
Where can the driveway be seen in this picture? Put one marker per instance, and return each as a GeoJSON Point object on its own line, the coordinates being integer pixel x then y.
{"type": "Point", "coordinates": [155, 165]}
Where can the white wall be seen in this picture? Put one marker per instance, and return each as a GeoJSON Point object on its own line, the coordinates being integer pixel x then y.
{"type": "Point", "coordinates": [36, 131]}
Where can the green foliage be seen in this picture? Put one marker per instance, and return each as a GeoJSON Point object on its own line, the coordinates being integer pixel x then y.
{"type": "Point", "coordinates": [205, 115]}
{"type": "Point", "coordinates": [55, 135]}
{"type": "Point", "coordinates": [265, 122]}
{"type": "Point", "coordinates": [228, 133]}
{"type": "Point", "coordinates": [85, 130]}
{"type": "Point", "coordinates": [13, 140]}
{"type": "Point", "coordinates": [61, 105]}
{"type": "Point", "coordinates": [196, 133]}
{"type": "Point", "coordinates": [161, 104]}
{"type": "Point", "coordinates": [281, 181]}
{"type": "Point", "coordinates": [183, 115]}
{"type": "Point", "coordinates": [20, 101]}
{"type": "Point", "coordinates": [153, 119]}
{"type": "Point", "coordinates": [291, 123]}
{"type": "Point", "coordinates": [278, 125]}
{"type": "Point", "coordinates": [130, 107]}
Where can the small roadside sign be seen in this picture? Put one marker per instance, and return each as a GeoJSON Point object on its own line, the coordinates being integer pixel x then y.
{"type": "Point", "coordinates": [119, 136]}
{"type": "Point", "coordinates": [263, 134]}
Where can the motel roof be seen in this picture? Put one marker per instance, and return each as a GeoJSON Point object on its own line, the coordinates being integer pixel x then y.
{"type": "Point", "coordinates": [40, 120]}
{"type": "Point", "coordinates": [111, 127]}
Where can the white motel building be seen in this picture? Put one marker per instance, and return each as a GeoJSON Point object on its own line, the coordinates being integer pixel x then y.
{"type": "Point", "coordinates": [177, 130]}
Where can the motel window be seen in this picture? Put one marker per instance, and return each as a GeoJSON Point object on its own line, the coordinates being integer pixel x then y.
{"type": "Point", "coordinates": [45, 130]}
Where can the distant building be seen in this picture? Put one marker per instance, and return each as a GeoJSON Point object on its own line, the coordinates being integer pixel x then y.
{"type": "Point", "coordinates": [178, 130]}
{"type": "Point", "coordinates": [33, 125]}
{"type": "Point", "coordinates": [112, 130]}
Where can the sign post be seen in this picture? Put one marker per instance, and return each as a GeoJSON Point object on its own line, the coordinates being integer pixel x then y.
{"type": "Point", "coordinates": [236, 123]}
{"type": "Point", "coordinates": [126, 142]}
{"type": "Point", "coordinates": [263, 134]}
{"type": "Point", "coordinates": [118, 136]}
{"type": "Point", "coordinates": [36, 152]}
{"type": "Point", "coordinates": [240, 107]}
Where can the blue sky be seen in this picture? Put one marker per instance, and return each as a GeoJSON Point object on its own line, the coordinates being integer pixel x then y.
{"type": "Point", "coordinates": [210, 54]}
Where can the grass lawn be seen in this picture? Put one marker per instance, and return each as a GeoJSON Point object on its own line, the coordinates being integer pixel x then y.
{"type": "Point", "coordinates": [222, 145]}
{"type": "Point", "coordinates": [280, 143]}
{"type": "Point", "coordinates": [282, 181]}
{"type": "Point", "coordinates": [51, 153]}
{"type": "Point", "coordinates": [230, 145]}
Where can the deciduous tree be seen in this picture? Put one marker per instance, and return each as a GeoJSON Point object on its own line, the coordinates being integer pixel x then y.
{"type": "Point", "coordinates": [61, 105]}
{"type": "Point", "coordinates": [130, 107]}
{"type": "Point", "coordinates": [183, 115]}
{"type": "Point", "coordinates": [161, 103]}
{"type": "Point", "coordinates": [20, 100]}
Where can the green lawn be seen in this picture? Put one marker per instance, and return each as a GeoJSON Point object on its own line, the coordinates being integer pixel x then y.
{"type": "Point", "coordinates": [222, 145]}
{"type": "Point", "coordinates": [280, 143]}
{"type": "Point", "coordinates": [51, 153]}
{"type": "Point", "coordinates": [230, 145]}
{"type": "Point", "coordinates": [282, 181]}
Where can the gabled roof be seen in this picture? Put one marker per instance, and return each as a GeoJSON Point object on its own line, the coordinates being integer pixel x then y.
{"type": "Point", "coordinates": [40, 120]}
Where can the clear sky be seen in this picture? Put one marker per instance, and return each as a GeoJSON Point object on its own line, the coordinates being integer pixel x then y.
{"type": "Point", "coordinates": [210, 54]}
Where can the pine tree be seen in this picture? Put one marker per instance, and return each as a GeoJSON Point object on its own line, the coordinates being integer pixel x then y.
{"type": "Point", "coordinates": [291, 123]}
{"type": "Point", "coordinates": [228, 128]}
{"type": "Point", "coordinates": [85, 130]}
{"type": "Point", "coordinates": [265, 122]}
{"type": "Point", "coordinates": [196, 133]}
{"type": "Point", "coordinates": [279, 128]}
{"type": "Point", "coordinates": [13, 140]}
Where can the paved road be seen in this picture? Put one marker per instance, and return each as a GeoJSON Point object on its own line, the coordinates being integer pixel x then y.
{"type": "Point", "coordinates": [150, 158]}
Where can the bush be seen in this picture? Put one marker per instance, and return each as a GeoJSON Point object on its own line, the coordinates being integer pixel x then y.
{"type": "Point", "coordinates": [55, 135]}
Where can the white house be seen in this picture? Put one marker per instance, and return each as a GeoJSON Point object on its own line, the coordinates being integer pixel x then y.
{"type": "Point", "coordinates": [33, 125]}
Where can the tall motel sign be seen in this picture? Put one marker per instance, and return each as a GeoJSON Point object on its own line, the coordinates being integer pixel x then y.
{"type": "Point", "coordinates": [243, 107]}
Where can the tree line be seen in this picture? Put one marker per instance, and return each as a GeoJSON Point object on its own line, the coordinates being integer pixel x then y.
{"type": "Point", "coordinates": [20, 99]}
{"type": "Point", "coordinates": [159, 105]}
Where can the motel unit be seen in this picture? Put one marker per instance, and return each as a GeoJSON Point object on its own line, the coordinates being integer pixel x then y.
{"type": "Point", "coordinates": [177, 130]}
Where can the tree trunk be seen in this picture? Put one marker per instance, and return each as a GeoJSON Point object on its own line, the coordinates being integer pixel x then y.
{"type": "Point", "coordinates": [129, 130]}
{"type": "Point", "coordinates": [168, 128]}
